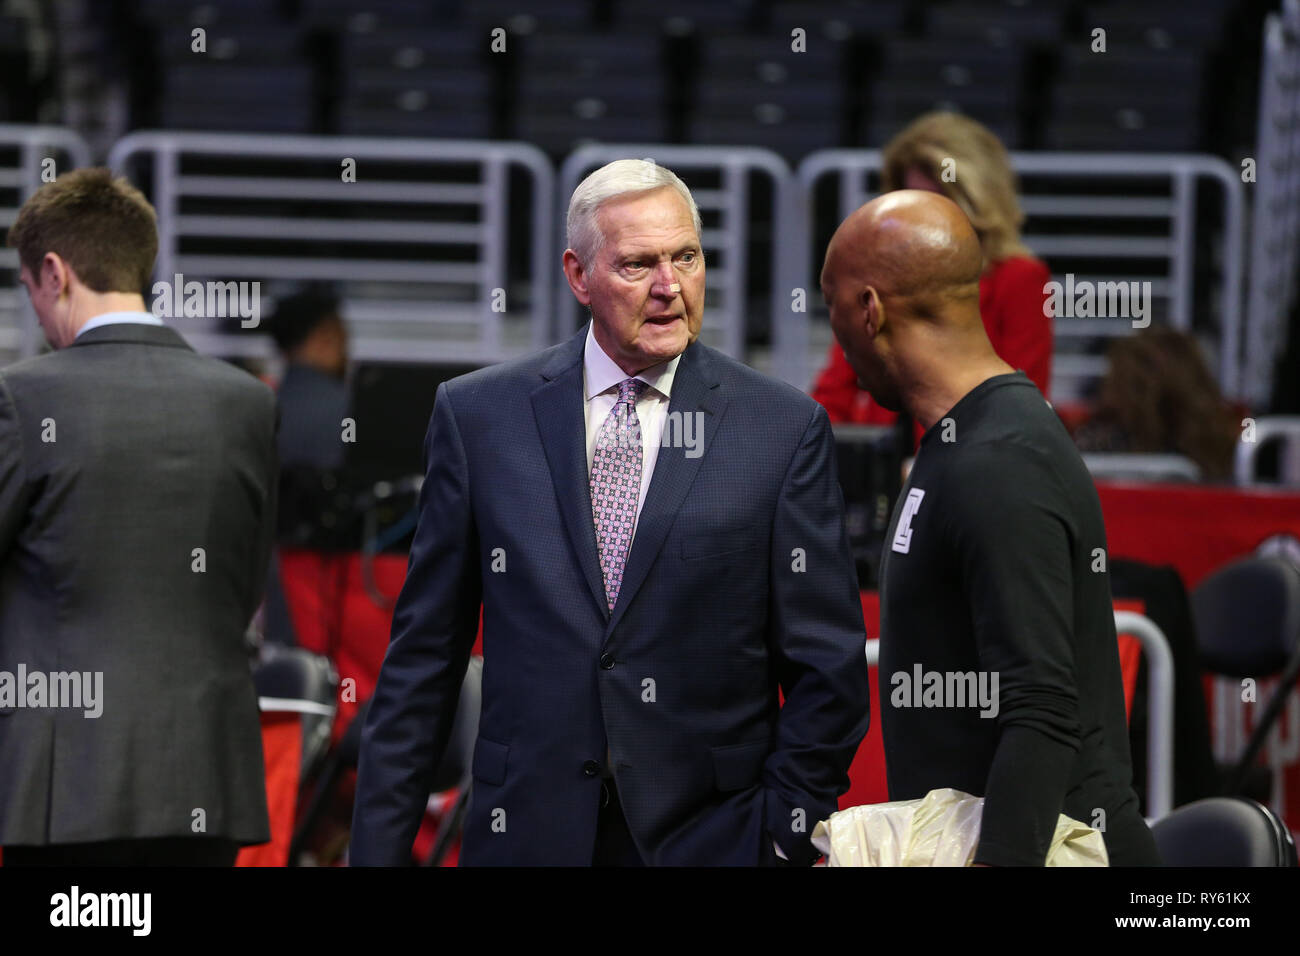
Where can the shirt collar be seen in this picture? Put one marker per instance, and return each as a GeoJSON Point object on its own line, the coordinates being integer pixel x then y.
{"type": "Point", "coordinates": [118, 318]}
{"type": "Point", "coordinates": [601, 373]}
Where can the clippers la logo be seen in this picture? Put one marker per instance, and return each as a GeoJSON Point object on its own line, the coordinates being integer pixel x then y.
{"type": "Point", "coordinates": [903, 533]}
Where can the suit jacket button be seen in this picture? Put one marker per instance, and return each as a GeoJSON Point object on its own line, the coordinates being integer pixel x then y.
{"type": "Point", "coordinates": [607, 661]}
{"type": "Point", "coordinates": [591, 768]}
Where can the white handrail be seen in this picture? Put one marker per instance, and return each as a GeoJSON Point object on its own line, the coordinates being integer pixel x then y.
{"type": "Point", "coordinates": [1284, 427]}
{"type": "Point", "coordinates": [19, 330]}
{"type": "Point", "coordinates": [388, 223]}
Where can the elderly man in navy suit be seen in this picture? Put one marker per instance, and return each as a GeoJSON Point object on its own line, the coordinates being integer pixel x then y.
{"type": "Point", "coordinates": [655, 532]}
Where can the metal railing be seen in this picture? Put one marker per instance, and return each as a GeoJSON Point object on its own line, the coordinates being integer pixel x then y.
{"type": "Point", "coordinates": [418, 238]}
{"type": "Point", "coordinates": [1162, 194]}
{"type": "Point", "coordinates": [1160, 701]}
{"type": "Point", "coordinates": [1160, 687]}
{"type": "Point", "coordinates": [1125, 466]}
{"type": "Point", "coordinates": [1281, 428]}
{"type": "Point", "coordinates": [430, 241]}
{"type": "Point", "coordinates": [1275, 232]}
{"type": "Point", "coordinates": [29, 157]}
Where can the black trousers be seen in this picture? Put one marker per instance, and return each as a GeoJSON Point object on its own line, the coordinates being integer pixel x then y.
{"type": "Point", "coordinates": [153, 851]}
{"type": "Point", "coordinates": [614, 843]}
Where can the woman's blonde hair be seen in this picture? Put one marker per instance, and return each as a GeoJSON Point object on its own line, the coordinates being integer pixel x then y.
{"type": "Point", "coordinates": [982, 182]}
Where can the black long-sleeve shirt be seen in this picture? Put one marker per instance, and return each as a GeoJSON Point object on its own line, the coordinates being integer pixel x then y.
{"type": "Point", "coordinates": [999, 673]}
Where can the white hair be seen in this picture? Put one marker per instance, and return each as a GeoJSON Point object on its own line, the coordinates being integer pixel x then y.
{"type": "Point", "coordinates": [619, 178]}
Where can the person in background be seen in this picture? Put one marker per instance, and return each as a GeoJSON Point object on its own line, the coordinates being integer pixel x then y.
{"type": "Point", "coordinates": [313, 401]}
{"type": "Point", "coordinates": [1158, 397]}
{"type": "Point", "coordinates": [313, 394]}
{"type": "Point", "coordinates": [956, 156]}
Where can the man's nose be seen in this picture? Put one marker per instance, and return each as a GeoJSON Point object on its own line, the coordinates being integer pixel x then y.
{"type": "Point", "coordinates": [665, 281]}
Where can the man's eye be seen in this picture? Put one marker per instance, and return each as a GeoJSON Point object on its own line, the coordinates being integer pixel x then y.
{"type": "Point", "coordinates": [687, 257]}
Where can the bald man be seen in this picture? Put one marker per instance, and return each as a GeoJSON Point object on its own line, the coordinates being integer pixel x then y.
{"type": "Point", "coordinates": [998, 663]}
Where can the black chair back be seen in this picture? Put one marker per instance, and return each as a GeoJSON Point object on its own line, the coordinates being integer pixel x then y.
{"type": "Point", "coordinates": [1248, 617]}
{"type": "Point", "coordinates": [306, 683]}
{"type": "Point", "coordinates": [1224, 831]}
{"type": "Point", "coordinates": [1248, 625]}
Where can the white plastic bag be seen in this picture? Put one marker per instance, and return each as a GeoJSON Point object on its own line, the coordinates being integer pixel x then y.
{"type": "Point", "coordinates": [940, 829]}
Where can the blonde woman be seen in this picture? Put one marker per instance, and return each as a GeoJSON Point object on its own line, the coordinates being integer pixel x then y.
{"type": "Point", "coordinates": [954, 155]}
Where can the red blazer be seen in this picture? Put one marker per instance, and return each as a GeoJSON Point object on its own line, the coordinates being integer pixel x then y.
{"type": "Point", "coordinates": [1012, 297]}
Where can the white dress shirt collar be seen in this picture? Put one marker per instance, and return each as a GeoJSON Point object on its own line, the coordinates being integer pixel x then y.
{"type": "Point", "coordinates": [602, 373]}
{"type": "Point", "coordinates": [119, 318]}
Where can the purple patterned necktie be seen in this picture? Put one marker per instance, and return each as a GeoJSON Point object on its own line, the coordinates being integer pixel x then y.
{"type": "Point", "coordinates": [616, 485]}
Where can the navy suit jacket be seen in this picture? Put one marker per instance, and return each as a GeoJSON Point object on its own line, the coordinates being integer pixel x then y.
{"type": "Point", "coordinates": [739, 581]}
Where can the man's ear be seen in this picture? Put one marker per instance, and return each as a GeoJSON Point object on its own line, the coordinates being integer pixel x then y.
{"type": "Point", "coordinates": [869, 300]}
{"type": "Point", "coordinates": [577, 277]}
{"type": "Point", "coordinates": [55, 274]}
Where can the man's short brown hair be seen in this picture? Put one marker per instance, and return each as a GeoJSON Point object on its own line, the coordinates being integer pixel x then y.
{"type": "Point", "coordinates": [102, 227]}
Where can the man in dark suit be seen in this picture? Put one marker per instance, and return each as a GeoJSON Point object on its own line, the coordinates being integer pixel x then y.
{"type": "Point", "coordinates": [136, 512]}
{"type": "Point", "coordinates": [633, 650]}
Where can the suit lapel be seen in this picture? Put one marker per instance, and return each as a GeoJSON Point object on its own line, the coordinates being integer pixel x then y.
{"type": "Point", "coordinates": [695, 389]}
{"type": "Point", "coordinates": [558, 407]}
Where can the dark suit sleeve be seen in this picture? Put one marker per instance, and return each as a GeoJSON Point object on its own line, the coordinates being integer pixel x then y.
{"type": "Point", "coordinates": [436, 618]}
{"type": "Point", "coordinates": [1012, 541]}
{"type": "Point", "coordinates": [13, 481]}
{"type": "Point", "coordinates": [819, 647]}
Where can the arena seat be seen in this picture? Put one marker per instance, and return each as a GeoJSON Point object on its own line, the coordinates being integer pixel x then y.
{"type": "Point", "coordinates": [297, 697]}
{"type": "Point", "coordinates": [1248, 626]}
{"type": "Point", "coordinates": [1108, 101]}
{"type": "Point", "coordinates": [997, 24]}
{"type": "Point", "coordinates": [15, 66]}
{"type": "Point", "coordinates": [1158, 24]}
{"type": "Point", "coordinates": [359, 16]}
{"type": "Point", "coordinates": [1224, 831]}
{"type": "Point", "coordinates": [252, 73]}
{"type": "Point", "coordinates": [685, 16]}
{"type": "Point", "coordinates": [423, 81]}
{"type": "Point", "coordinates": [838, 19]}
{"type": "Point", "coordinates": [575, 87]}
{"type": "Point", "coordinates": [916, 75]}
{"type": "Point", "coordinates": [252, 97]}
{"type": "Point", "coordinates": [524, 16]}
{"type": "Point", "coordinates": [254, 76]}
{"type": "Point", "coordinates": [754, 90]}
{"type": "Point", "coordinates": [200, 13]}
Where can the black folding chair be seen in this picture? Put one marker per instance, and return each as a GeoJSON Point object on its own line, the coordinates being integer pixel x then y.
{"type": "Point", "coordinates": [1248, 625]}
{"type": "Point", "coordinates": [452, 772]}
{"type": "Point", "coordinates": [294, 680]}
{"type": "Point", "coordinates": [1224, 831]}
